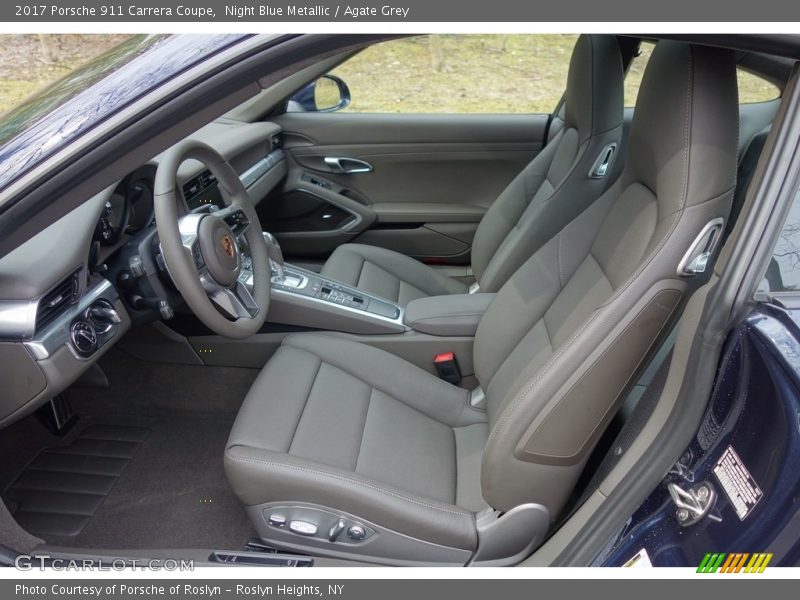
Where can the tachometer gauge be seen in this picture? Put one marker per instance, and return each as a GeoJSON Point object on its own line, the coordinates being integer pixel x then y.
{"type": "Point", "coordinates": [140, 196]}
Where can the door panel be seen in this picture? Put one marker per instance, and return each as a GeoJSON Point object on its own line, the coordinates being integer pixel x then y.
{"type": "Point", "coordinates": [433, 243]}
{"type": "Point", "coordinates": [431, 177]}
{"type": "Point", "coordinates": [310, 215]}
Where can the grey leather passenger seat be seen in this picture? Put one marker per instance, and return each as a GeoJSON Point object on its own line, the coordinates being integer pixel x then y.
{"type": "Point", "coordinates": [555, 187]}
{"type": "Point", "coordinates": [343, 449]}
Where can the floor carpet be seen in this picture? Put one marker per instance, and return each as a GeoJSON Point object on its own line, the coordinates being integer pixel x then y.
{"type": "Point", "coordinates": [143, 467]}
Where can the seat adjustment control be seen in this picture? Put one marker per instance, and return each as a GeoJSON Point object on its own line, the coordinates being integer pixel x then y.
{"type": "Point", "coordinates": [336, 530]}
{"type": "Point", "coordinates": [277, 520]}
{"type": "Point", "coordinates": [312, 522]}
{"type": "Point", "coordinates": [303, 528]}
{"type": "Point", "coordinates": [356, 533]}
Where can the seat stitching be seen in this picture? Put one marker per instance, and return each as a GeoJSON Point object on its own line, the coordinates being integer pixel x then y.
{"type": "Point", "coordinates": [455, 471]}
{"type": "Point", "coordinates": [558, 260]}
{"type": "Point", "coordinates": [382, 270]}
{"type": "Point", "coordinates": [364, 427]}
{"type": "Point", "coordinates": [376, 488]}
{"type": "Point", "coordinates": [399, 283]}
{"type": "Point", "coordinates": [437, 318]}
{"type": "Point", "coordinates": [360, 272]}
{"type": "Point", "coordinates": [688, 133]}
{"type": "Point", "coordinates": [305, 404]}
{"type": "Point", "coordinates": [543, 321]}
{"type": "Point", "coordinates": [602, 271]}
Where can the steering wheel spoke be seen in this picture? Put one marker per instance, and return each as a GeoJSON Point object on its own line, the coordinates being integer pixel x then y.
{"type": "Point", "coordinates": [188, 226]}
{"type": "Point", "coordinates": [236, 301]}
{"type": "Point", "coordinates": [236, 218]}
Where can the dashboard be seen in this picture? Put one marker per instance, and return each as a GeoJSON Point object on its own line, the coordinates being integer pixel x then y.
{"type": "Point", "coordinates": [73, 290]}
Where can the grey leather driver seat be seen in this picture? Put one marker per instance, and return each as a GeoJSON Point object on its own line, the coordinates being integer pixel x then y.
{"type": "Point", "coordinates": [555, 187]}
{"type": "Point", "coordinates": [342, 449]}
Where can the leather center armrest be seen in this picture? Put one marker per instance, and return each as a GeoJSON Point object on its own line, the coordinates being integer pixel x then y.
{"type": "Point", "coordinates": [453, 315]}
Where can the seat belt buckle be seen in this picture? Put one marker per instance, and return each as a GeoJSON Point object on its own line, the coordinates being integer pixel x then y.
{"type": "Point", "coordinates": [447, 367]}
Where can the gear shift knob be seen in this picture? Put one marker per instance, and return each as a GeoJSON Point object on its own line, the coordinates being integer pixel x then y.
{"type": "Point", "coordinates": [275, 255]}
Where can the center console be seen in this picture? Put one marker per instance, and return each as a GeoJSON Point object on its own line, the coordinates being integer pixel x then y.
{"type": "Point", "coordinates": [304, 298]}
{"type": "Point", "coordinates": [311, 285]}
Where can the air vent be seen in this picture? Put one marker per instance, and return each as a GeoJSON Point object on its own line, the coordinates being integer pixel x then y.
{"type": "Point", "coordinates": [276, 141]}
{"type": "Point", "coordinates": [198, 185]}
{"type": "Point", "coordinates": [53, 302]}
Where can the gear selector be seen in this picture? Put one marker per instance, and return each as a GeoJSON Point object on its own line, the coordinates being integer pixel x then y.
{"type": "Point", "coordinates": [275, 255]}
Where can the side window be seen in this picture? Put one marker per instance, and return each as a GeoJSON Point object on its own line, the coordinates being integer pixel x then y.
{"type": "Point", "coordinates": [783, 272]}
{"type": "Point", "coordinates": [459, 74]}
{"type": "Point", "coordinates": [633, 78]}
{"type": "Point", "coordinates": [752, 88]}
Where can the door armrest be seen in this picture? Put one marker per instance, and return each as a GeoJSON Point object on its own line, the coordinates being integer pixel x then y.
{"type": "Point", "coordinates": [452, 315]}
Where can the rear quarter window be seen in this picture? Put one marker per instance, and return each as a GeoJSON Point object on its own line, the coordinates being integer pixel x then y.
{"type": "Point", "coordinates": [752, 88]}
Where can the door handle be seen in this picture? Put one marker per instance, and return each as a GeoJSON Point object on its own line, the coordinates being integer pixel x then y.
{"type": "Point", "coordinates": [344, 164]}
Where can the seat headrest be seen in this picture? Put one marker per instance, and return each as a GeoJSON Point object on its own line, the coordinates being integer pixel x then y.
{"type": "Point", "coordinates": [684, 135]}
{"type": "Point", "coordinates": [593, 101]}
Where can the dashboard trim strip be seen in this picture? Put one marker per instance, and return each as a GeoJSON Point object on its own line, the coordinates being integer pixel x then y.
{"type": "Point", "coordinates": [17, 318]}
{"type": "Point", "coordinates": [261, 168]}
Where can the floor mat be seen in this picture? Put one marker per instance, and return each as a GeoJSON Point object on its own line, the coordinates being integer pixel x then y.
{"type": "Point", "coordinates": [135, 482]}
{"type": "Point", "coordinates": [170, 491]}
{"type": "Point", "coordinates": [62, 488]}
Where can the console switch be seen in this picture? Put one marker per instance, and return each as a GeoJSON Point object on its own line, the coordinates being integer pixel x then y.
{"type": "Point", "coordinates": [337, 296]}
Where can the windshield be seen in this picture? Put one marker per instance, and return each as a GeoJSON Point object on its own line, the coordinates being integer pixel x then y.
{"type": "Point", "coordinates": [29, 62]}
{"type": "Point", "coordinates": [45, 122]}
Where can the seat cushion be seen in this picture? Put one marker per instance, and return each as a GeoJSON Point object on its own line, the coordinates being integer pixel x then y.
{"type": "Point", "coordinates": [388, 274]}
{"type": "Point", "coordinates": [349, 427]}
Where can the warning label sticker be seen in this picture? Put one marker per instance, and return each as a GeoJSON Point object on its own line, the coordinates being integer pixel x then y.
{"type": "Point", "coordinates": [740, 487]}
{"type": "Point", "coordinates": [641, 559]}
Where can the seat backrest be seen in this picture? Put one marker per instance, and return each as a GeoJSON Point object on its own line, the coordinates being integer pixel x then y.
{"type": "Point", "coordinates": [556, 186]}
{"type": "Point", "coordinates": [565, 337]}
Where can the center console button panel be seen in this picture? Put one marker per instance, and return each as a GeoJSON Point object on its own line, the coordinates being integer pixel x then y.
{"type": "Point", "coordinates": [305, 298]}
{"type": "Point", "coordinates": [306, 283]}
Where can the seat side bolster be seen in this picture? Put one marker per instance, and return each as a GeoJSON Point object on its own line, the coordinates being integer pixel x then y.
{"type": "Point", "coordinates": [260, 476]}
